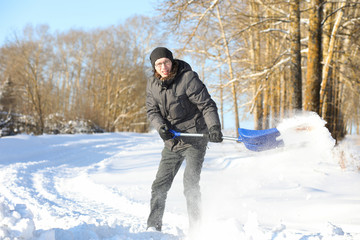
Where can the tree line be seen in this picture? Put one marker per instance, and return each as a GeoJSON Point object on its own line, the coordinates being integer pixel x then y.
{"type": "Point", "coordinates": [99, 75]}
{"type": "Point", "coordinates": [284, 56]}
{"type": "Point", "coordinates": [269, 58]}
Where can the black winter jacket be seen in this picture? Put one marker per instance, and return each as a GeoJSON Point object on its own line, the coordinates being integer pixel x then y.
{"type": "Point", "coordinates": [183, 103]}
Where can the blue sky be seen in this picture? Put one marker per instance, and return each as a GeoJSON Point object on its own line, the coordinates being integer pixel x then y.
{"type": "Point", "coordinates": [63, 15]}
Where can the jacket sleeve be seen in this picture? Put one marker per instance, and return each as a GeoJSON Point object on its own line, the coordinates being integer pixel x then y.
{"type": "Point", "coordinates": [199, 95]}
{"type": "Point", "coordinates": [153, 110]}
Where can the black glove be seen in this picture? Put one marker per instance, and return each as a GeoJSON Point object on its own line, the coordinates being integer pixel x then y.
{"type": "Point", "coordinates": [164, 133]}
{"type": "Point", "coordinates": [215, 134]}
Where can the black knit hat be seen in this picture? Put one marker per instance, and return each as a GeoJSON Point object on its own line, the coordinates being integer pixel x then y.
{"type": "Point", "coordinates": [160, 52]}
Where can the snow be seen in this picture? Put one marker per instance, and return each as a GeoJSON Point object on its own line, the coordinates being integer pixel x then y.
{"type": "Point", "coordinates": [98, 187]}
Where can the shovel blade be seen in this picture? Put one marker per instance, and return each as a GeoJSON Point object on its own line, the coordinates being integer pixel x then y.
{"type": "Point", "coordinates": [260, 140]}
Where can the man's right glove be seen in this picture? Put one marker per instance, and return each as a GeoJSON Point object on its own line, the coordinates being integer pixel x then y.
{"type": "Point", "coordinates": [164, 132]}
{"type": "Point", "coordinates": [215, 134]}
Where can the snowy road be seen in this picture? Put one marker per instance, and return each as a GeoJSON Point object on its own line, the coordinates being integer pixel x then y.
{"type": "Point", "coordinates": [98, 187]}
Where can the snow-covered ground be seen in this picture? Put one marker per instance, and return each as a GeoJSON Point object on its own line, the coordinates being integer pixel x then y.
{"type": "Point", "coordinates": [98, 187]}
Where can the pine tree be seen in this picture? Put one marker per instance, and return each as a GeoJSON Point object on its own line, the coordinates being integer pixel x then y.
{"type": "Point", "coordinates": [7, 96]}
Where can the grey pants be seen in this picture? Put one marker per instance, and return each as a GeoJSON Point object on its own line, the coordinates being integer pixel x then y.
{"type": "Point", "coordinates": [169, 166]}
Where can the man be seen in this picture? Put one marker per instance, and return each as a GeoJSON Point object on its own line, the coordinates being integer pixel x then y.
{"type": "Point", "coordinates": [177, 99]}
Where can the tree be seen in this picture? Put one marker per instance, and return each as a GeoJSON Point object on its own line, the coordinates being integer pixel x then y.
{"type": "Point", "coordinates": [230, 66]}
{"type": "Point", "coordinates": [255, 57]}
{"type": "Point", "coordinates": [295, 55]}
{"type": "Point", "coordinates": [32, 56]}
{"type": "Point", "coordinates": [7, 96]}
{"type": "Point", "coordinates": [198, 21]}
{"type": "Point", "coordinates": [313, 76]}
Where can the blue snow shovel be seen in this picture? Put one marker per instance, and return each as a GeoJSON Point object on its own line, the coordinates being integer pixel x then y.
{"type": "Point", "coordinates": [254, 140]}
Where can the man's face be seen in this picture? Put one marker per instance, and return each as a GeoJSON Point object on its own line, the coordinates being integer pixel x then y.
{"type": "Point", "coordinates": [163, 67]}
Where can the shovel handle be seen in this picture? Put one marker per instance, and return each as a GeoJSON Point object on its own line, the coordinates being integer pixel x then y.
{"type": "Point", "coordinates": [179, 134]}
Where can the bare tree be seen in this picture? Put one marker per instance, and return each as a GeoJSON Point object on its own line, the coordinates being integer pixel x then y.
{"type": "Point", "coordinates": [197, 21]}
{"type": "Point", "coordinates": [295, 55]}
{"type": "Point", "coordinates": [313, 77]}
{"type": "Point", "coordinates": [32, 56]}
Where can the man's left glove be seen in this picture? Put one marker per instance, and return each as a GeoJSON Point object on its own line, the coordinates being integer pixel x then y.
{"type": "Point", "coordinates": [164, 132]}
{"type": "Point", "coordinates": [215, 134]}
